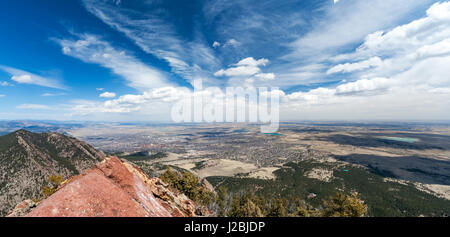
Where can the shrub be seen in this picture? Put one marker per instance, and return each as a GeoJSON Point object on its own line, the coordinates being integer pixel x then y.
{"type": "Point", "coordinates": [54, 182]}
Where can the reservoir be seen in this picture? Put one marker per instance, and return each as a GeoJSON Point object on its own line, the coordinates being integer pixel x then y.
{"type": "Point", "coordinates": [401, 139]}
{"type": "Point", "coordinates": [274, 134]}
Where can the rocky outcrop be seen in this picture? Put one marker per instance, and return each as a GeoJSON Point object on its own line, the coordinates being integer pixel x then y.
{"type": "Point", "coordinates": [114, 188]}
{"type": "Point", "coordinates": [176, 203]}
{"type": "Point", "coordinates": [207, 185]}
{"type": "Point", "coordinates": [22, 208]}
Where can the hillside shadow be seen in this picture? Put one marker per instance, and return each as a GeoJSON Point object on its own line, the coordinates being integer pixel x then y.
{"type": "Point", "coordinates": [410, 168]}
{"type": "Point", "coordinates": [424, 141]}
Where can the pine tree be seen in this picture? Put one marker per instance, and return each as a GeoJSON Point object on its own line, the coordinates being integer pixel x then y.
{"type": "Point", "coordinates": [244, 206]}
{"type": "Point", "coordinates": [278, 207]}
{"type": "Point", "coordinates": [189, 184]}
{"type": "Point", "coordinates": [222, 199]}
{"type": "Point", "coordinates": [344, 206]}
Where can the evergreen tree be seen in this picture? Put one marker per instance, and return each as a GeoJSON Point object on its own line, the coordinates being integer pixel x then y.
{"type": "Point", "coordinates": [343, 205]}
{"type": "Point", "coordinates": [189, 184]}
{"type": "Point", "coordinates": [278, 208]}
{"type": "Point", "coordinates": [244, 207]}
{"type": "Point", "coordinates": [222, 200]}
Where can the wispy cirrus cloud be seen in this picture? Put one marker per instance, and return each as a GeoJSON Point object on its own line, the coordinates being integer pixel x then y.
{"type": "Point", "coordinates": [91, 49]}
{"type": "Point", "coordinates": [34, 106]}
{"type": "Point", "coordinates": [5, 83]}
{"type": "Point", "coordinates": [52, 94]}
{"type": "Point", "coordinates": [351, 67]}
{"type": "Point", "coordinates": [24, 77]}
{"type": "Point", "coordinates": [154, 35]}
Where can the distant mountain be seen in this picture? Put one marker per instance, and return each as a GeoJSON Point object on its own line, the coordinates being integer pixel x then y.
{"type": "Point", "coordinates": [28, 159]}
{"type": "Point", "coordinates": [7, 127]}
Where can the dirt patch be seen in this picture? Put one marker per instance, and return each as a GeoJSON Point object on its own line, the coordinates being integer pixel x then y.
{"type": "Point", "coordinates": [439, 190]}
{"type": "Point", "coordinates": [264, 173]}
{"type": "Point", "coordinates": [223, 167]}
{"type": "Point", "coordinates": [320, 174]}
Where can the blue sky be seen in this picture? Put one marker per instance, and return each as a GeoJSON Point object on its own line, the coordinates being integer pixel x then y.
{"type": "Point", "coordinates": [128, 60]}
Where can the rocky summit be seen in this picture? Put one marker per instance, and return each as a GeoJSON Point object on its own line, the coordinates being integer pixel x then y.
{"type": "Point", "coordinates": [28, 159]}
{"type": "Point", "coordinates": [113, 188]}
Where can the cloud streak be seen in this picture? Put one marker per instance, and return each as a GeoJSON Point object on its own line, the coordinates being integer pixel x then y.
{"type": "Point", "coordinates": [91, 49]}
{"type": "Point", "coordinates": [24, 77]}
{"type": "Point", "coordinates": [34, 106]}
{"type": "Point", "coordinates": [154, 35]}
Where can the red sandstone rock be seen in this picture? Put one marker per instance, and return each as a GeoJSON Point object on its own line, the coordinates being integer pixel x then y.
{"type": "Point", "coordinates": [176, 203]}
{"type": "Point", "coordinates": [114, 189]}
{"type": "Point", "coordinates": [22, 208]}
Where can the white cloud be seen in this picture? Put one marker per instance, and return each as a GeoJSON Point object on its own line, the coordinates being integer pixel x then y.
{"type": "Point", "coordinates": [216, 44]}
{"type": "Point", "coordinates": [24, 77]}
{"type": "Point", "coordinates": [33, 106]}
{"type": "Point", "coordinates": [417, 55]}
{"type": "Point", "coordinates": [100, 89]}
{"type": "Point", "coordinates": [66, 50]}
{"type": "Point", "coordinates": [91, 49]}
{"type": "Point", "coordinates": [425, 31]}
{"type": "Point", "coordinates": [2, 95]}
{"type": "Point", "coordinates": [364, 85]}
{"type": "Point", "coordinates": [5, 83]}
{"type": "Point", "coordinates": [411, 82]}
{"type": "Point", "coordinates": [438, 49]}
{"type": "Point", "coordinates": [107, 95]}
{"type": "Point", "coordinates": [313, 96]}
{"type": "Point", "coordinates": [349, 22]}
{"type": "Point", "coordinates": [144, 103]}
{"type": "Point", "coordinates": [357, 88]}
{"type": "Point", "coordinates": [335, 30]}
{"type": "Point", "coordinates": [238, 71]}
{"type": "Point", "coordinates": [246, 67]}
{"type": "Point", "coordinates": [52, 94]}
{"type": "Point", "coordinates": [232, 43]}
{"type": "Point", "coordinates": [265, 76]}
{"type": "Point", "coordinates": [440, 90]}
{"type": "Point", "coordinates": [407, 49]}
{"type": "Point", "coordinates": [250, 61]}
{"type": "Point", "coordinates": [350, 67]}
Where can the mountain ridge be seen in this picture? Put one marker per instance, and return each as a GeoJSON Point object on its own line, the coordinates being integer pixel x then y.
{"type": "Point", "coordinates": [28, 159]}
